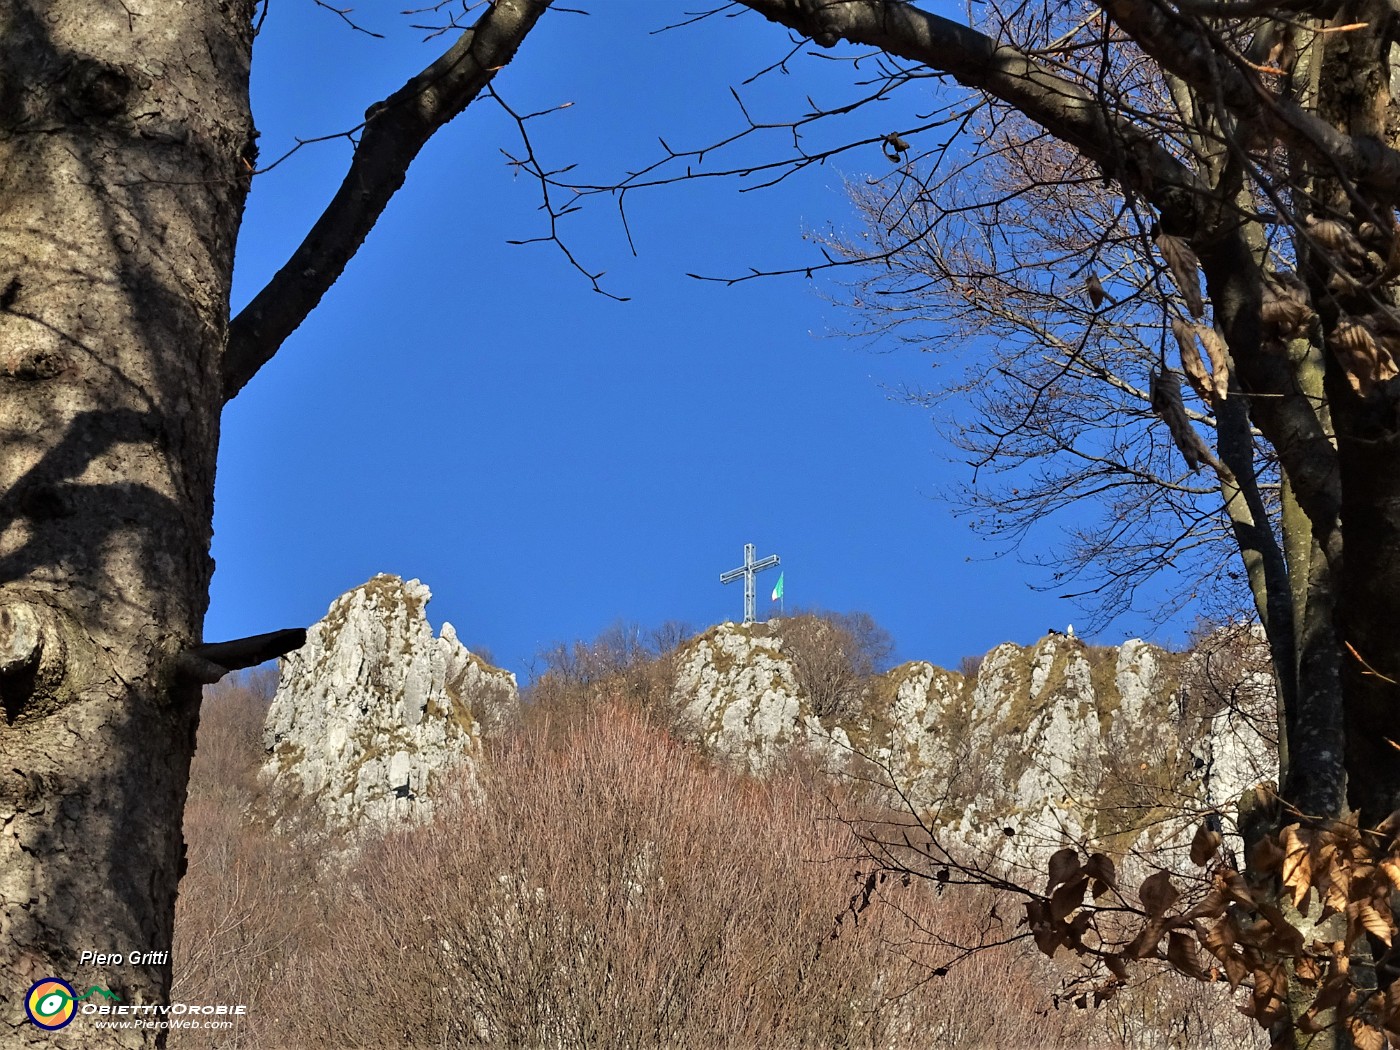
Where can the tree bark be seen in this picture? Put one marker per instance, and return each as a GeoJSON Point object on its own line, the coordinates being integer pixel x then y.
{"type": "Point", "coordinates": [124, 130]}
{"type": "Point", "coordinates": [126, 150]}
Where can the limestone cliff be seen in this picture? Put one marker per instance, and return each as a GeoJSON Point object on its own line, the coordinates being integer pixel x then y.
{"type": "Point", "coordinates": [1122, 748]}
{"type": "Point", "coordinates": [374, 711]}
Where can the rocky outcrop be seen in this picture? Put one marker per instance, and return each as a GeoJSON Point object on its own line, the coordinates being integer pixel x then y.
{"type": "Point", "coordinates": [736, 694]}
{"type": "Point", "coordinates": [374, 714]}
{"type": "Point", "coordinates": [1059, 743]}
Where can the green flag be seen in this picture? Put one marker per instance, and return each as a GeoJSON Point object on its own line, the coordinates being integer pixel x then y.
{"type": "Point", "coordinates": [778, 590]}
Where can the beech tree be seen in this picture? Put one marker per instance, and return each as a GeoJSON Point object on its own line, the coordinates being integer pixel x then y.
{"type": "Point", "coordinates": [126, 151]}
{"type": "Point", "coordinates": [1254, 138]}
{"type": "Point", "coordinates": [1252, 146]}
{"type": "Point", "coordinates": [1268, 169]}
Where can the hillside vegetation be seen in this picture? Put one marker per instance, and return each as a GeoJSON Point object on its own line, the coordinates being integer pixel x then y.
{"type": "Point", "coordinates": [611, 886]}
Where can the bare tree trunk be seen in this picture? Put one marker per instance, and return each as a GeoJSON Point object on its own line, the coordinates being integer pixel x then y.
{"type": "Point", "coordinates": [125, 135]}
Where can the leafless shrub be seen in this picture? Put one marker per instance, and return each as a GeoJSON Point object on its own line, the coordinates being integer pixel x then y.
{"type": "Point", "coordinates": [834, 655]}
{"type": "Point", "coordinates": [230, 735]}
{"type": "Point", "coordinates": [621, 892]}
{"type": "Point", "coordinates": [616, 890]}
{"type": "Point", "coordinates": [625, 662]}
{"type": "Point", "coordinates": [249, 900]}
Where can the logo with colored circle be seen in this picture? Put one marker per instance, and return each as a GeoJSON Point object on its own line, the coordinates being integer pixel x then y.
{"type": "Point", "coordinates": [50, 1003]}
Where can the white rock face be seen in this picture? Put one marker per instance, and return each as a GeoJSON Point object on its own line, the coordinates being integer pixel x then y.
{"type": "Point", "coordinates": [737, 694]}
{"type": "Point", "coordinates": [373, 712]}
{"type": "Point", "coordinates": [1061, 743]}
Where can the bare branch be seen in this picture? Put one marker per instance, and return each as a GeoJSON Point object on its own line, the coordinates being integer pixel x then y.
{"type": "Point", "coordinates": [395, 130]}
{"type": "Point", "coordinates": [1067, 109]}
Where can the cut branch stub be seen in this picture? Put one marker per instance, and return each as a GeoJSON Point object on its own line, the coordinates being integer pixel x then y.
{"type": "Point", "coordinates": [208, 663]}
{"type": "Point", "coordinates": [33, 659]}
{"type": "Point", "coordinates": [21, 638]}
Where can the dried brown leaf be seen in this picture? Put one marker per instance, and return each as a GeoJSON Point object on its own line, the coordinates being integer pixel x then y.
{"type": "Point", "coordinates": [1211, 906]}
{"type": "Point", "coordinates": [1158, 894]}
{"type": "Point", "coordinates": [1236, 969]}
{"type": "Point", "coordinates": [1283, 937]}
{"type": "Point", "coordinates": [1100, 867]}
{"type": "Point", "coordinates": [1364, 1036]}
{"type": "Point", "coordinates": [1307, 970]}
{"type": "Point", "coordinates": [1217, 939]}
{"type": "Point", "coordinates": [1337, 238]}
{"type": "Point", "coordinates": [1184, 267]}
{"type": "Point", "coordinates": [1064, 865]}
{"type": "Point", "coordinates": [1104, 994]}
{"type": "Point", "coordinates": [1191, 364]}
{"type": "Point", "coordinates": [1288, 316]}
{"type": "Point", "coordinates": [1095, 289]}
{"type": "Point", "coordinates": [1286, 310]}
{"type": "Point", "coordinates": [1362, 356]}
{"type": "Point", "coordinates": [1181, 953]}
{"type": "Point", "coordinates": [1219, 361]}
{"type": "Point", "coordinates": [1297, 862]}
{"type": "Point", "coordinates": [1204, 845]}
{"type": "Point", "coordinates": [1047, 937]}
{"type": "Point", "coordinates": [1167, 405]}
{"type": "Point", "coordinates": [1145, 943]}
{"type": "Point", "coordinates": [1391, 867]}
{"type": "Point", "coordinates": [1391, 1007]}
{"type": "Point", "coordinates": [1270, 990]}
{"type": "Point", "coordinates": [1376, 924]}
{"type": "Point", "coordinates": [1067, 898]}
{"type": "Point", "coordinates": [1390, 825]}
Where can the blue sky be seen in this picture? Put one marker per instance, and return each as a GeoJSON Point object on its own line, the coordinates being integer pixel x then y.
{"type": "Point", "coordinates": [550, 461]}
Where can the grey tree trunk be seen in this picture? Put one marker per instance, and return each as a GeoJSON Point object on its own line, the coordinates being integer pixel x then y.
{"type": "Point", "coordinates": [125, 134]}
{"type": "Point", "coordinates": [126, 150]}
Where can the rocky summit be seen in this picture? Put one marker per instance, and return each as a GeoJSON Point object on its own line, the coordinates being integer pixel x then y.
{"type": "Point", "coordinates": [1120, 748]}
{"type": "Point", "coordinates": [374, 715]}
{"type": "Point", "coordinates": [1125, 749]}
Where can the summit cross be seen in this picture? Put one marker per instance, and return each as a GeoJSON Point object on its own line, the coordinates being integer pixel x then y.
{"type": "Point", "coordinates": [748, 571]}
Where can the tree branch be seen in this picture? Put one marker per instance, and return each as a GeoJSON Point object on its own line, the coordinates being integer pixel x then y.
{"type": "Point", "coordinates": [1067, 110]}
{"type": "Point", "coordinates": [1197, 58]}
{"type": "Point", "coordinates": [395, 130]}
{"type": "Point", "coordinates": [208, 663]}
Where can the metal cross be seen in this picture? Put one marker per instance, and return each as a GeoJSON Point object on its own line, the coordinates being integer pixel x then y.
{"type": "Point", "coordinates": [748, 571]}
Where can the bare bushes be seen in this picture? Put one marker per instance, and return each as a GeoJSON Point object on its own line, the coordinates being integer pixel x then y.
{"type": "Point", "coordinates": [615, 890]}
{"type": "Point", "coordinates": [247, 903]}
{"type": "Point", "coordinates": [620, 892]}
{"type": "Point", "coordinates": [612, 892]}
{"type": "Point", "coordinates": [230, 736]}
{"type": "Point", "coordinates": [625, 662]}
{"type": "Point", "coordinates": [834, 655]}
